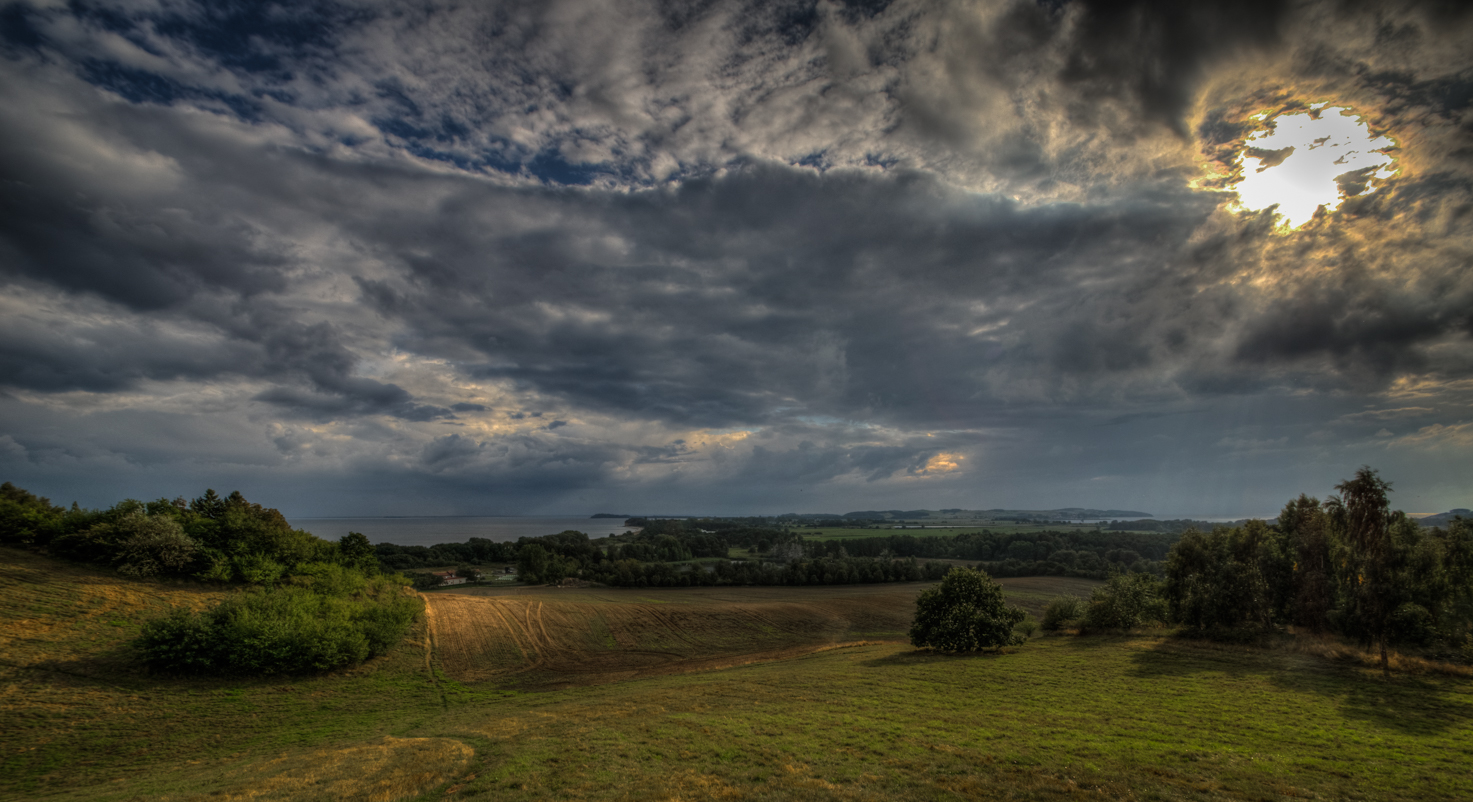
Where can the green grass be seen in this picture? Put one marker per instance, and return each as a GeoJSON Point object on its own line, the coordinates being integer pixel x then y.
{"type": "Point", "coordinates": [1124, 717]}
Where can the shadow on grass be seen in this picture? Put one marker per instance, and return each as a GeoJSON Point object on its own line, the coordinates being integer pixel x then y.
{"type": "Point", "coordinates": [917, 657]}
{"type": "Point", "coordinates": [1410, 704]}
{"type": "Point", "coordinates": [116, 664]}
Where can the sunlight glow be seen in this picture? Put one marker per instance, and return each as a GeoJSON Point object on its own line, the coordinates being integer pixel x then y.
{"type": "Point", "coordinates": [1301, 162]}
{"type": "Point", "coordinates": [944, 462]}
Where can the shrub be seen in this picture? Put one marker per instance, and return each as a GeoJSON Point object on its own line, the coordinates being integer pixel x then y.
{"type": "Point", "coordinates": [965, 613]}
{"type": "Point", "coordinates": [1027, 626]}
{"type": "Point", "coordinates": [153, 544]}
{"type": "Point", "coordinates": [329, 578]}
{"type": "Point", "coordinates": [294, 629]}
{"type": "Point", "coordinates": [256, 568]}
{"type": "Point", "coordinates": [1124, 602]}
{"type": "Point", "coordinates": [1062, 611]}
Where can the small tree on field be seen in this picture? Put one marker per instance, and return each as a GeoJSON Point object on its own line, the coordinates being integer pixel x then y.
{"type": "Point", "coordinates": [965, 613]}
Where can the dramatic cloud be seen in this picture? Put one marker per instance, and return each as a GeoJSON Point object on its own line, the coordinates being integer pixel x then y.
{"type": "Point", "coordinates": [551, 256]}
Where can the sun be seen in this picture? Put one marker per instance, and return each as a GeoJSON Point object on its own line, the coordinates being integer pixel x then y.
{"type": "Point", "coordinates": [1301, 162]}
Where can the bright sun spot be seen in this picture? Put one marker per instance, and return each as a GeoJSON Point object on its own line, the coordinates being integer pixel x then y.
{"type": "Point", "coordinates": [943, 463]}
{"type": "Point", "coordinates": [1304, 161]}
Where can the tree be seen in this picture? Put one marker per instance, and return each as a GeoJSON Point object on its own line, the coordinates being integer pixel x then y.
{"type": "Point", "coordinates": [965, 613]}
{"type": "Point", "coordinates": [533, 563]}
{"type": "Point", "coordinates": [153, 544]}
{"type": "Point", "coordinates": [1363, 515]}
{"type": "Point", "coordinates": [1303, 523]}
{"type": "Point", "coordinates": [1226, 581]}
{"type": "Point", "coordinates": [355, 551]}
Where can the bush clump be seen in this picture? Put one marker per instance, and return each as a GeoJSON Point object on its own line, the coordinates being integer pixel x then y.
{"type": "Point", "coordinates": [1125, 601]}
{"type": "Point", "coordinates": [965, 613]}
{"type": "Point", "coordinates": [1061, 612]}
{"type": "Point", "coordinates": [313, 624]}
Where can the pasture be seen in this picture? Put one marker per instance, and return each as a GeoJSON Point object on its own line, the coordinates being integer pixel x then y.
{"type": "Point", "coordinates": [805, 696]}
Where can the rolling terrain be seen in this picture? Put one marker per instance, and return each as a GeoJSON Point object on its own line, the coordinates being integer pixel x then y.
{"type": "Point", "coordinates": [612, 695]}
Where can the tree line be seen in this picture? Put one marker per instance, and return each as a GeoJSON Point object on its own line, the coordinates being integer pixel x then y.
{"type": "Point", "coordinates": [551, 558]}
{"type": "Point", "coordinates": [1348, 565]}
{"type": "Point", "coordinates": [210, 538]}
{"type": "Point", "coordinates": [304, 603]}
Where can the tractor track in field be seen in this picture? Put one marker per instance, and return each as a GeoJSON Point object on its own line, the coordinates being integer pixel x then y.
{"type": "Point", "coordinates": [510, 639]}
{"type": "Point", "coordinates": [556, 637]}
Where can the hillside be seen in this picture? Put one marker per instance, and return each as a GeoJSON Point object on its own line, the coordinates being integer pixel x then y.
{"type": "Point", "coordinates": [1124, 717]}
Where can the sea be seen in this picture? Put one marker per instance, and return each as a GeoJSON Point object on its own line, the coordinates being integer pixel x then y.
{"type": "Point", "coordinates": [454, 529]}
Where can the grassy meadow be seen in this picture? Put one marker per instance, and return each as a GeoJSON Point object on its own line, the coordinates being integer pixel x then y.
{"type": "Point", "coordinates": [761, 693]}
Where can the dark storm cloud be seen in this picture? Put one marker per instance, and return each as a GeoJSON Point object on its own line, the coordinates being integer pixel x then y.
{"type": "Point", "coordinates": [314, 354]}
{"type": "Point", "coordinates": [839, 293]}
{"type": "Point", "coordinates": [1156, 53]}
{"type": "Point", "coordinates": [808, 244]}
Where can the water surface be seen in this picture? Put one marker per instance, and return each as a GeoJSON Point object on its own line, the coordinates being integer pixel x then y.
{"type": "Point", "coordinates": [446, 529]}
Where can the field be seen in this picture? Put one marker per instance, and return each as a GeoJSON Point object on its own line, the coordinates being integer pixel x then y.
{"type": "Point", "coordinates": [846, 713]}
{"type": "Point", "coordinates": [534, 637]}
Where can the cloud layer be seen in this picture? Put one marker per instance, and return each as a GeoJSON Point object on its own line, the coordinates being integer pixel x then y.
{"type": "Point", "coordinates": [532, 257]}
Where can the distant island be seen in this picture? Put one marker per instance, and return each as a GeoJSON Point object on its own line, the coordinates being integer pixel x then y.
{"type": "Point", "coordinates": [609, 515]}
{"type": "Point", "coordinates": [955, 514]}
{"type": "Point", "coordinates": [996, 514]}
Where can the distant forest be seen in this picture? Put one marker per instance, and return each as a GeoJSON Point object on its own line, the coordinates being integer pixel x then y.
{"type": "Point", "coordinates": [661, 554]}
{"type": "Point", "coordinates": [1348, 565]}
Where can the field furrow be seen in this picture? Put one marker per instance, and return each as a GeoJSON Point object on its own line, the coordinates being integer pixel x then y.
{"type": "Point", "coordinates": [560, 636]}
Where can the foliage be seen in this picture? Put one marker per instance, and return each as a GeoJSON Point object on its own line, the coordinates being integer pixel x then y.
{"type": "Point", "coordinates": [1125, 601]}
{"type": "Point", "coordinates": [1366, 556]}
{"type": "Point", "coordinates": [153, 544]}
{"type": "Point", "coordinates": [1027, 626]}
{"type": "Point", "coordinates": [827, 571]}
{"type": "Point", "coordinates": [1350, 565]}
{"type": "Point", "coordinates": [1225, 580]}
{"type": "Point", "coordinates": [1062, 611]}
{"type": "Point", "coordinates": [965, 613]}
{"type": "Point", "coordinates": [331, 617]}
{"type": "Point", "coordinates": [212, 538]}
{"type": "Point", "coordinates": [27, 519]}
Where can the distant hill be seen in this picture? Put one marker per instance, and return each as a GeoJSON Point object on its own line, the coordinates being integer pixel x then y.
{"type": "Point", "coordinates": [956, 514]}
{"type": "Point", "coordinates": [1445, 518]}
{"type": "Point", "coordinates": [998, 514]}
{"type": "Point", "coordinates": [608, 515]}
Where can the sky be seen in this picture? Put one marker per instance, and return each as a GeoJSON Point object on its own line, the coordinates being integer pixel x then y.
{"type": "Point", "coordinates": [576, 256]}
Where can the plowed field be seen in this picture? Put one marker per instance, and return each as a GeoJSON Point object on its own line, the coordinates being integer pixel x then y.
{"type": "Point", "coordinates": [557, 637]}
